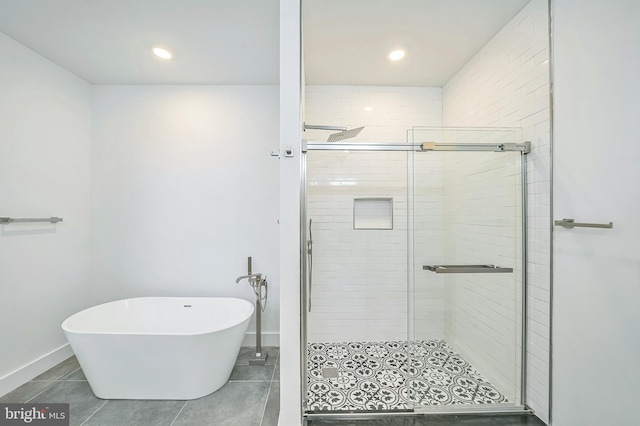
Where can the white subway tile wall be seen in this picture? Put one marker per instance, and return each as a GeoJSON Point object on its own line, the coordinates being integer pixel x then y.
{"type": "Point", "coordinates": [507, 84]}
{"type": "Point", "coordinates": [359, 284]}
{"type": "Point", "coordinates": [427, 303]}
{"type": "Point", "coordinates": [386, 112]}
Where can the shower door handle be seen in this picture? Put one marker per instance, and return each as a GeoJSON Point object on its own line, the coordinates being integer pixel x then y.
{"type": "Point", "coordinates": [570, 224]}
{"type": "Point", "coordinates": [310, 265]}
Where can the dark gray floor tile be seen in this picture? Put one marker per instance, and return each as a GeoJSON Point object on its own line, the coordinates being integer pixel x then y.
{"type": "Point", "coordinates": [76, 375]}
{"type": "Point", "coordinates": [276, 374]}
{"type": "Point", "coordinates": [272, 409]}
{"type": "Point", "coordinates": [248, 352]}
{"type": "Point", "coordinates": [235, 404]}
{"type": "Point", "coordinates": [26, 391]}
{"type": "Point", "coordinates": [82, 402]}
{"type": "Point", "coordinates": [252, 372]}
{"type": "Point", "coordinates": [59, 371]}
{"type": "Point", "coordinates": [136, 413]}
{"type": "Point", "coordinates": [66, 383]}
{"type": "Point", "coordinates": [273, 353]}
{"type": "Point", "coordinates": [243, 355]}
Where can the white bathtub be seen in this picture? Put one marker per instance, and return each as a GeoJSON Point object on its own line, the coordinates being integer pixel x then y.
{"type": "Point", "coordinates": [159, 347]}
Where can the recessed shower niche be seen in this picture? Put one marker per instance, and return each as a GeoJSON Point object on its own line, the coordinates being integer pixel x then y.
{"type": "Point", "coordinates": [373, 213]}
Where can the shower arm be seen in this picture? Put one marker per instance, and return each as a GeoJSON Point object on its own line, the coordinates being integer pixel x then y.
{"type": "Point", "coordinates": [318, 127]}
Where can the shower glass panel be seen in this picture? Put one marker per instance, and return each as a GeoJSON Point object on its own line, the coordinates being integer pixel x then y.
{"type": "Point", "coordinates": [466, 247]}
{"type": "Point", "coordinates": [356, 307]}
{"type": "Point", "coordinates": [414, 265]}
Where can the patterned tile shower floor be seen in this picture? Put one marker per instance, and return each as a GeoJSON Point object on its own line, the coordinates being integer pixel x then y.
{"type": "Point", "coordinates": [356, 376]}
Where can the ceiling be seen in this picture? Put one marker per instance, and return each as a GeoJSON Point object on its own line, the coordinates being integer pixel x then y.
{"type": "Point", "coordinates": [346, 42]}
{"type": "Point", "coordinates": [109, 41]}
{"type": "Point", "coordinates": [236, 41]}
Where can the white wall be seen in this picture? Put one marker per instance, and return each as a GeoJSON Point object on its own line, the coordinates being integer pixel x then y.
{"type": "Point", "coordinates": [183, 190]}
{"type": "Point", "coordinates": [596, 273]}
{"type": "Point", "coordinates": [177, 182]}
{"type": "Point", "coordinates": [291, 83]}
{"type": "Point", "coordinates": [45, 135]}
{"type": "Point", "coordinates": [507, 84]}
{"type": "Point", "coordinates": [359, 284]}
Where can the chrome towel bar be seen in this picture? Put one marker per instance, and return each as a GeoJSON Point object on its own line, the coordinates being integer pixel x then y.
{"type": "Point", "coordinates": [31, 220]}
{"type": "Point", "coordinates": [570, 223]}
{"type": "Point", "coordinates": [466, 269]}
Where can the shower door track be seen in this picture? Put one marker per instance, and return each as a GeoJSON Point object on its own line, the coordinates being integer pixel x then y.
{"type": "Point", "coordinates": [368, 415]}
{"type": "Point", "coordinates": [524, 148]}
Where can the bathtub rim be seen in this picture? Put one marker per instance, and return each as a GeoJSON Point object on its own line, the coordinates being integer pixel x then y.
{"type": "Point", "coordinates": [66, 329]}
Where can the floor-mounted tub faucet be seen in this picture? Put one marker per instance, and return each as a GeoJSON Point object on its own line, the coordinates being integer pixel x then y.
{"type": "Point", "coordinates": [252, 278]}
{"type": "Point", "coordinates": [258, 284]}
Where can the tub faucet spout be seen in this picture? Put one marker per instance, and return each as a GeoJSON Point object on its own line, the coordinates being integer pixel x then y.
{"type": "Point", "coordinates": [253, 278]}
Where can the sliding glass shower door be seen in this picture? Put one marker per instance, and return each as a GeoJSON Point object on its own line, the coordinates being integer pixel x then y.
{"type": "Point", "coordinates": [466, 282]}
{"type": "Point", "coordinates": [413, 273]}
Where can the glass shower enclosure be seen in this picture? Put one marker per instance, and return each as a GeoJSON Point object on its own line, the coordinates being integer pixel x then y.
{"type": "Point", "coordinates": [413, 273]}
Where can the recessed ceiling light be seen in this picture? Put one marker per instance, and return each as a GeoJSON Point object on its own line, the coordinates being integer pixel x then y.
{"type": "Point", "coordinates": [396, 55]}
{"type": "Point", "coordinates": [161, 52]}
{"type": "Point", "coordinates": [368, 109]}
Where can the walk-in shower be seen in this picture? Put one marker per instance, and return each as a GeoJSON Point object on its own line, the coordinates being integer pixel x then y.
{"type": "Point", "coordinates": [416, 266]}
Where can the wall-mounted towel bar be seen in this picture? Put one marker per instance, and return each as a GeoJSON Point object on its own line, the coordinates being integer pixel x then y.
{"type": "Point", "coordinates": [466, 269]}
{"type": "Point", "coordinates": [570, 223]}
{"type": "Point", "coordinates": [30, 219]}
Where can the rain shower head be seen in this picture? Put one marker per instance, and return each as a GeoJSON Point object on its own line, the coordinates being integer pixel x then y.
{"type": "Point", "coordinates": [345, 134]}
{"type": "Point", "coordinates": [335, 137]}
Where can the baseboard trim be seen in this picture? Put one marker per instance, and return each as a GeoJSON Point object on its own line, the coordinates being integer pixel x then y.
{"type": "Point", "coordinates": [22, 375]}
{"type": "Point", "coordinates": [269, 338]}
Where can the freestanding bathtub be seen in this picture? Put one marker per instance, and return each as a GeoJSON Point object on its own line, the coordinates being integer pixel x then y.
{"type": "Point", "coordinates": [159, 347]}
